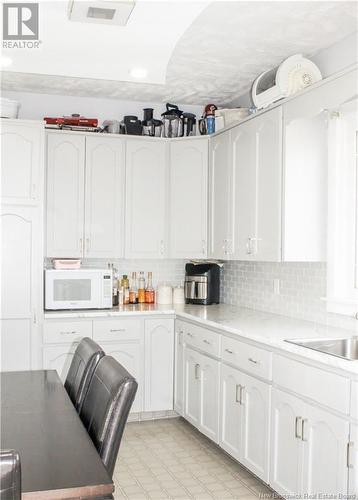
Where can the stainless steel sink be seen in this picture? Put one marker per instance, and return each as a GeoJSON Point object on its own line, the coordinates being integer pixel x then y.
{"type": "Point", "coordinates": [342, 348]}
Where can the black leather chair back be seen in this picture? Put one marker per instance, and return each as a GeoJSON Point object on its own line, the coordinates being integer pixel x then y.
{"type": "Point", "coordinates": [84, 362]}
{"type": "Point", "coordinates": [106, 407]}
{"type": "Point", "coordinates": [10, 475]}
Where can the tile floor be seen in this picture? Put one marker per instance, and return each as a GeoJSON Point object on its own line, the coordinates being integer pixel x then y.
{"type": "Point", "coordinates": [169, 459]}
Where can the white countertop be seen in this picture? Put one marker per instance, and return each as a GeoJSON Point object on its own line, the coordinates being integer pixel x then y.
{"type": "Point", "coordinates": [127, 310]}
{"type": "Point", "coordinates": [268, 329]}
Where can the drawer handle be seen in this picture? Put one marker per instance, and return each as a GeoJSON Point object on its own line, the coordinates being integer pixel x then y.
{"type": "Point", "coordinates": [253, 361]}
{"type": "Point", "coordinates": [114, 330]}
{"type": "Point", "coordinates": [298, 426]}
{"type": "Point", "coordinates": [229, 351]}
{"type": "Point", "coordinates": [68, 333]}
{"type": "Point", "coordinates": [197, 366]}
{"type": "Point", "coordinates": [190, 334]}
{"type": "Point", "coordinates": [206, 342]}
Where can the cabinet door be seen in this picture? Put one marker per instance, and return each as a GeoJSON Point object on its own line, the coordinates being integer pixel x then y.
{"type": "Point", "coordinates": [159, 364]}
{"type": "Point", "coordinates": [188, 195]}
{"type": "Point", "coordinates": [353, 460]}
{"type": "Point", "coordinates": [65, 195]}
{"type": "Point", "coordinates": [286, 443]}
{"type": "Point", "coordinates": [21, 161]}
{"type": "Point", "coordinates": [209, 397]}
{"type": "Point", "coordinates": [146, 181]}
{"type": "Point", "coordinates": [268, 128]}
{"type": "Point", "coordinates": [256, 152]}
{"type": "Point", "coordinates": [129, 354]}
{"type": "Point", "coordinates": [104, 197]}
{"type": "Point", "coordinates": [59, 358]}
{"type": "Point", "coordinates": [192, 386]}
{"type": "Point", "coordinates": [179, 369]}
{"type": "Point", "coordinates": [231, 411]}
{"type": "Point", "coordinates": [325, 438]}
{"type": "Point", "coordinates": [243, 144]}
{"type": "Point", "coordinates": [21, 292]}
{"type": "Point", "coordinates": [305, 179]}
{"type": "Point", "coordinates": [255, 426]}
{"type": "Point", "coordinates": [220, 194]}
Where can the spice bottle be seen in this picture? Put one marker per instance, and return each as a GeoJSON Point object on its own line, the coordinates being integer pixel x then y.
{"type": "Point", "coordinates": [141, 288]}
{"type": "Point", "coordinates": [133, 291]}
{"type": "Point", "coordinates": [125, 285]}
{"type": "Point", "coordinates": [149, 291]}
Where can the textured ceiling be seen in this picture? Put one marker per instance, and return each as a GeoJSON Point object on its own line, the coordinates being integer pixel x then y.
{"type": "Point", "coordinates": [221, 53]}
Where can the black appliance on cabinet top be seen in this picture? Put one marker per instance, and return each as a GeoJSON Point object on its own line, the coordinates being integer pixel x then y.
{"type": "Point", "coordinates": [202, 283]}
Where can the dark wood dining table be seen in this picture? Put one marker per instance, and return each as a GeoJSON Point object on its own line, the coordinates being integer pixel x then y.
{"type": "Point", "coordinates": [58, 458]}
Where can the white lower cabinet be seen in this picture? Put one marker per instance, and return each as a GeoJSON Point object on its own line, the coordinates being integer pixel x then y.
{"type": "Point", "coordinates": [308, 448]}
{"type": "Point", "coordinates": [159, 364]}
{"type": "Point", "coordinates": [59, 358]}
{"type": "Point", "coordinates": [129, 354]}
{"type": "Point", "coordinates": [179, 368]}
{"type": "Point", "coordinates": [352, 461]}
{"type": "Point", "coordinates": [245, 418]}
{"type": "Point", "coordinates": [192, 386]}
{"type": "Point", "coordinates": [202, 392]}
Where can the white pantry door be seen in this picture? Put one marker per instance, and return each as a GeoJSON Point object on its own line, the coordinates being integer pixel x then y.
{"type": "Point", "coordinates": [188, 198]}
{"type": "Point", "coordinates": [146, 214]}
{"type": "Point", "coordinates": [104, 197]}
{"type": "Point", "coordinates": [65, 195]}
{"type": "Point", "coordinates": [20, 287]}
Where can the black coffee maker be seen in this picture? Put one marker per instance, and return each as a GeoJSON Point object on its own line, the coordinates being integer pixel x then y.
{"type": "Point", "coordinates": [202, 284]}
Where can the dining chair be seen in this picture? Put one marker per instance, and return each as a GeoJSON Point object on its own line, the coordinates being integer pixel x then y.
{"type": "Point", "coordinates": [106, 407]}
{"type": "Point", "coordinates": [10, 475]}
{"type": "Point", "coordinates": [84, 362]}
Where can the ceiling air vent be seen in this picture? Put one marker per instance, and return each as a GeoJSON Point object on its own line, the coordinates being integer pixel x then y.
{"type": "Point", "coordinates": [101, 11]}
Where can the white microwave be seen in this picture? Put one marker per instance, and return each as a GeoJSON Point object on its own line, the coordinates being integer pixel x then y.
{"type": "Point", "coordinates": [78, 289]}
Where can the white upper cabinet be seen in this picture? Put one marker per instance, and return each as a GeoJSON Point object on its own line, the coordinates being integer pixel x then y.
{"type": "Point", "coordinates": [65, 195]}
{"type": "Point", "coordinates": [21, 162]}
{"type": "Point", "coordinates": [146, 182]}
{"type": "Point", "coordinates": [188, 198]}
{"type": "Point", "coordinates": [104, 197]}
{"type": "Point", "coordinates": [257, 172]}
{"type": "Point", "coordinates": [220, 198]}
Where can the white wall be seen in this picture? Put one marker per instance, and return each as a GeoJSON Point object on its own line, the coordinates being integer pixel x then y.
{"type": "Point", "coordinates": [331, 60]}
{"type": "Point", "coordinates": [37, 106]}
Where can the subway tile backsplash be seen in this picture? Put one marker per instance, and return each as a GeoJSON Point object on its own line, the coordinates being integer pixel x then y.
{"type": "Point", "coordinates": [251, 284]}
{"type": "Point", "coordinates": [301, 289]}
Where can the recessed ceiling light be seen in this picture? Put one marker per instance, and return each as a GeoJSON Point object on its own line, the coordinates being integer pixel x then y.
{"type": "Point", "coordinates": [5, 61]}
{"type": "Point", "coordinates": [139, 73]}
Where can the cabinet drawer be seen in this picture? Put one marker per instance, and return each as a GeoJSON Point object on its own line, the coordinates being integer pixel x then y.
{"type": "Point", "coordinates": [354, 400]}
{"type": "Point", "coordinates": [203, 339]}
{"type": "Point", "coordinates": [117, 329]}
{"type": "Point", "coordinates": [247, 357]}
{"type": "Point", "coordinates": [323, 387]}
{"type": "Point", "coordinates": [66, 331]}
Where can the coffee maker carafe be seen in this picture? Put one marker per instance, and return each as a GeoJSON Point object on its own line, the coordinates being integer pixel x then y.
{"type": "Point", "coordinates": [202, 284]}
{"type": "Point", "coordinates": [172, 121]}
